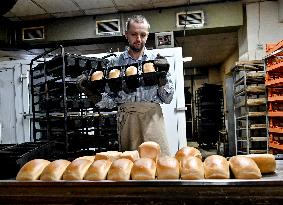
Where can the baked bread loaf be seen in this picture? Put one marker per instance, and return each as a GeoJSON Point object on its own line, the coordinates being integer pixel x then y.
{"type": "Point", "coordinates": [98, 170]}
{"type": "Point", "coordinates": [148, 68]}
{"type": "Point", "coordinates": [120, 170]}
{"type": "Point", "coordinates": [110, 155]}
{"type": "Point", "coordinates": [167, 168]}
{"type": "Point", "coordinates": [131, 70]}
{"type": "Point", "coordinates": [97, 75]}
{"type": "Point", "coordinates": [265, 162]}
{"type": "Point", "coordinates": [187, 152]}
{"type": "Point", "coordinates": [216, 167]}
{"type": "Point", "coordinates": [54, 171]}
{"type": "Point", "coordinates": [114, 73]}
{"type": "Point", "coordinates": [90, 158]}
{"type": "Point", "coordinates": [192, 168]}
{"type": "Point", "coordinates": [143, 169]}
{"type": "Point", "coordinates": [150, 150]}
{"type": "Point", "coordinates": [244, 168]}
{"type": "Point", "coordinates": [77, 169]}
{"type": "Point", "coordinates": [131, 155]}
{"type": "Point", "coordinates": [32, 170]}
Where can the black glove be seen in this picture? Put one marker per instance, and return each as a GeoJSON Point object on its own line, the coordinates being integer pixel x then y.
{"type": "Point", "coordinates": [161, 63]}
{"type": "Point", "coordinates": [162, 66]}
{"type": "Point", "coordinates": [83, 86]}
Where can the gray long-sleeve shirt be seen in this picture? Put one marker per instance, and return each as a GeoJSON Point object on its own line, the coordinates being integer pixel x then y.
{"type": "Point", "coordinates": [155, 94]}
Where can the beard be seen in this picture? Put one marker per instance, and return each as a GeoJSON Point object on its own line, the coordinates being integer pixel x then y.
{"type": "Point", "coordinates": [136, 49]}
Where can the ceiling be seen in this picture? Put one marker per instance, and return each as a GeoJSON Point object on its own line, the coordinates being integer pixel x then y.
{"type": "Point", "coordinates": [206, 50]}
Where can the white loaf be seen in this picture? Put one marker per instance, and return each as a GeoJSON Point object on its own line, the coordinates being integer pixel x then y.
{"type": "Point", "coordinates": [32, 170]}
{"type": "Point", "coordinates": [143, 169]}
{"type": "Point", "coordinates": [120, 170]}
{"type": "Point", "coordinates": [216, 167]}
{"type": "Point", "coordinates": [54, 171]}
{"type": "Point", "coordinates": [192, 168]}
{"type": "Point", "coordinates": [150, 150]}
{"type": "Point", "coordinates": [244, 168]}
{"type": "Point", "coordinates": [98, 170]}
{"type": "Point", "coordinates": [168, 168]}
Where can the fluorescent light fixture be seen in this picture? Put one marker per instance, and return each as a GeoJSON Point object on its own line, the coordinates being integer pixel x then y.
{"type": "Point", "coordinates": [187, 59]}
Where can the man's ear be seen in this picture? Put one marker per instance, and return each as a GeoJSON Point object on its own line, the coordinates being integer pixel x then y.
{"type": "Point", "coordinates": [126, 34]}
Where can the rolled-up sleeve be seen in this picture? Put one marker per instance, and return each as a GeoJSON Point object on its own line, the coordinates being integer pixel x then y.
{"type": "Point", "coordinates": [166, 92]}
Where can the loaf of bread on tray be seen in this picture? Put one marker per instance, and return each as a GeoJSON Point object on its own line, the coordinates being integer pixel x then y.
{"type": "Point", "coordinates": [168, 168]}
{"type": "Point", "coordinates": [187, 152]}
{"type": "Point", "coordinates": [110, 155]}
{"type": "Point", "coordinates": [192, 168]}
{"type": "Point", "coordinates": [120, 170]}
{"type": "Point", "coordinates": [77, 169]}
{"type": "Point", "coordinates": [98, 170]}
{"type": "Point", "coordinates": [150, 150]}
{"type": "Point", "coordinates": [32, 170]}
{"type": "Point", "coordinates": [54, 171]}
{"type": "Point", "coordinates": [90, 158]}
{"type": "Point", "coordinates": [143, 169]}
{"type": "Point", "coordinates": [131, 155]}
{"type": "Point", "coordinates": [244, 168]}
{"type": "Point", "coordinates": [216, 167]}
{"type": "Point", "coordinates": [265, 162]}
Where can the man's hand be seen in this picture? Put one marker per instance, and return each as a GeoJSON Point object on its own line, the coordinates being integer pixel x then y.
{"type": "Point", "coordinates": [83, 86]}
{"type": "Point", "coordinates": [162, 67]}
{"type": "Point", "coordinates": [161, 63]}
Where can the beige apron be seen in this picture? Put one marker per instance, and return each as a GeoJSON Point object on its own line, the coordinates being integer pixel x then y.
{"type": "Point", "coordinates": [139, 122]}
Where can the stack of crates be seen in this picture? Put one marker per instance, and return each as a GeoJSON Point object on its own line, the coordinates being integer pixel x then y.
{"type": "Point", "coordinates": [274, 84]}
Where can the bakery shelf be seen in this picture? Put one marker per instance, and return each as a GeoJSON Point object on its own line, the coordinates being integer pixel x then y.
{"type": "Point", "coordinates": [270, 48]}
{"type": "Point", "coordinates": [276, 130]}
{"type": "Point", "coordinates": [274, 82]}
{"type": "Point", "coordinates": [275, 114]}
{"type": "Point", "coordinates": [275, 67]}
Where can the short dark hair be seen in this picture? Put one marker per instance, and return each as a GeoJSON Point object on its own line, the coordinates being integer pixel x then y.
{"type": "Point", "coordinates": [137, 19]}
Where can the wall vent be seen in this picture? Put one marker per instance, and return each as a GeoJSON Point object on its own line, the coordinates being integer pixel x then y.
{"type": "Point", "coordinates": [33, 33]}
{"type": "Point", "coordinates": [108, 27]}
{"type": "Point", "coordinates": [190, 19]}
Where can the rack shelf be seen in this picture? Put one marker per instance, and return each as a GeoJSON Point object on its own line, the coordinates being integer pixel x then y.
{"type": "Point", "coordinates": [250, 108]}
{"type": "Point", "coordinates": [274, 83]}
{"type": "Point", "coordinates": [64, 115]}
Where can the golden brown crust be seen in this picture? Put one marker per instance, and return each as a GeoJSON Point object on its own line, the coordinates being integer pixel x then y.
{"type": "Point", "coordinates": [54, 171]}
{"type": "Point", "coordinates": [32, 170]}
{"type": "Point", "coordinates": [110, 155]}
{"type": "Point", "coordinates": [148, 68]}
{"type": "Point", "coordinates": [120, 170]}
{"type": "Point", "coordinates": [131, 70]}
{"type": "Point", "coordinates": [143, 169]}
{"type": "Point", "coordinates": [187, 152]}
{"type": "Point", "coordinates": [244, 168]}
{"type": "Point", "coordinates": [90, 157]}
{"type": "Point", "coordinates": [77, 169]}
{"type": "Point", "coordinates": [216, 167]}
{"type": "Point", "coordinates": [97, 75]}
{"type": "Point", "coordinates": [150, 150]}
{"type": "Point", "coordinates": [131, 155]}
{"type": "Point", "coordinates": [265, 162]}
{"type": "Point", "coordinates": [192, 168]}
{"type": "Point", "coordinates": [98, 170]}
{"type": "Point", "coordinates": [114, 73]}
{"type": "Point", "coordinates": [168, 168]}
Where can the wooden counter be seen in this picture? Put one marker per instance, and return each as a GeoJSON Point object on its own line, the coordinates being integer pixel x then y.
{"type": "Point", "coordinates": [268, 190]}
